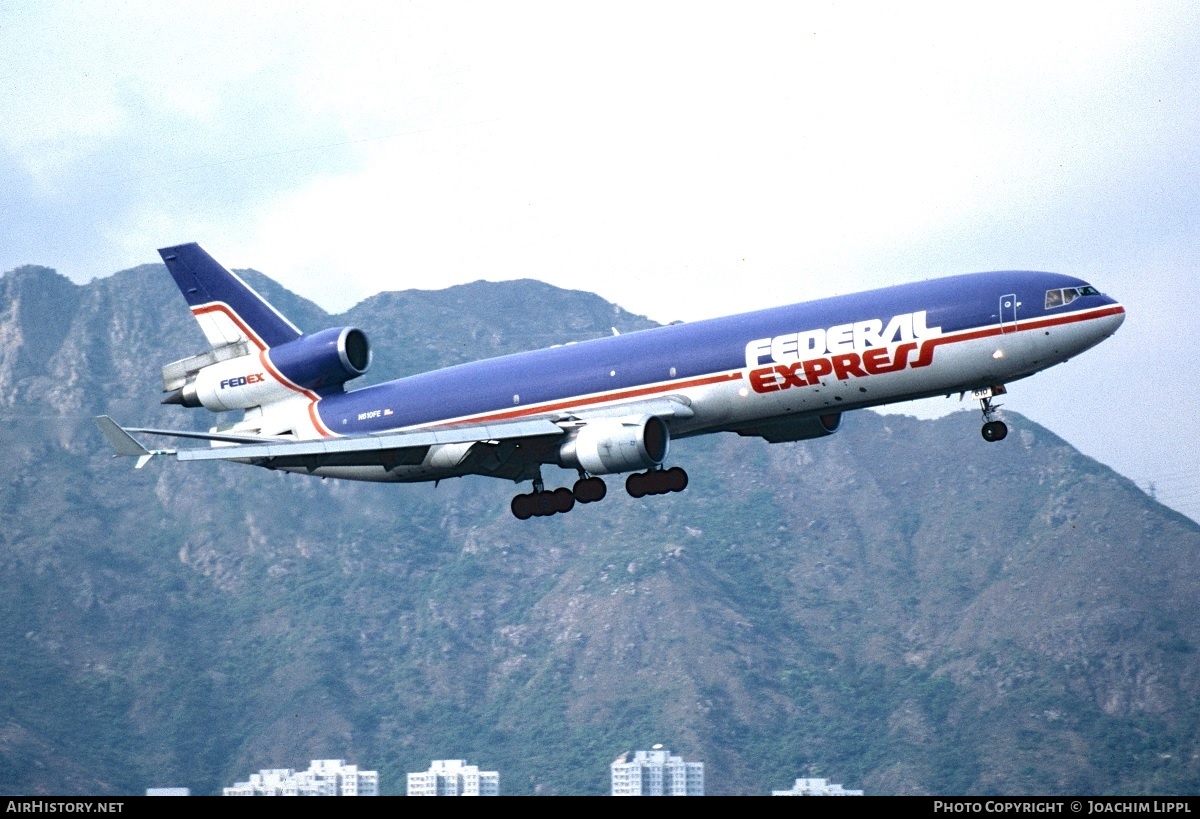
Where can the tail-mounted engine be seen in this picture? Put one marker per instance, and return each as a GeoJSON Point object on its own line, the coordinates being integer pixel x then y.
{"type": "Point", "coordinates": [609, 445]}
{"type": "Point", "coordinates": [237, 377]}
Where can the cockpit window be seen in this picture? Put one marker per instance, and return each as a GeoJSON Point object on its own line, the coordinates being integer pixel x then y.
{"type": "Point", "coordinates": [1058, 298]}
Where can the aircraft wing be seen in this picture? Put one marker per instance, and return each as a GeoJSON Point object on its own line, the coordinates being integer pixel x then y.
{"type": "Point", "coordinates": [408, 446]}
{"type": "Point", "coordinates": [388, 449]}
{"type": "Point", "coordinates": [411, 442]}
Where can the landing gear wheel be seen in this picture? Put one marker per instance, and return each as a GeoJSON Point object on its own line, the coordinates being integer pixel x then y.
{"type": "Point", "coordinates": [656, 482]}
{"type": "Point", "coordinates": [677, 479]}
{"type": "Point", "coordinates": [542, 504]}
{"type": "Point", "coordinates": [994, 431]}
{"type": "Point", "coordinates": [589, 490]}
{"type": "Point", "coordinates": [564, 501]}
{"type": "Point", "coordinates": [545, 504]}
{"type": "Point", "coordinates": [522, 507]}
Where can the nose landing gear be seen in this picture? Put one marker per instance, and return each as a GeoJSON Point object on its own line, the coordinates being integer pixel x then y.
{"type": "Point", "coordinates": [993, 429]}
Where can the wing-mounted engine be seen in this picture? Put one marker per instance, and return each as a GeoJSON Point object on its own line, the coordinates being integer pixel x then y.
{"type": "Point", "coordinates": [235, 376]}
{"type": "Point", "coordinates": [609, 445]}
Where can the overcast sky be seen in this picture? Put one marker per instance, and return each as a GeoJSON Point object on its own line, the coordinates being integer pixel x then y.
{"type": "Point", "coordinates": [684, 160]}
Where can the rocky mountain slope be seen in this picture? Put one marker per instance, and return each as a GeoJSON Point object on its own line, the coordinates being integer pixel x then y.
{"type": "Point", "coordinates": [901, 607]}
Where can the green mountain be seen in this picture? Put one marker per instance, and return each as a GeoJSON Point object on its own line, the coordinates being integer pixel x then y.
{"type": "Point", "coordinates": [901, 607]}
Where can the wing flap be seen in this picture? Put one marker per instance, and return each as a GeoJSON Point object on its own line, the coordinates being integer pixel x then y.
{"type": "Point", "coordinates": [668, 408]}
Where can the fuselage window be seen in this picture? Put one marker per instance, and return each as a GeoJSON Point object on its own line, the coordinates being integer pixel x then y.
{"type": "Point", "coordinates": [1053, 298]}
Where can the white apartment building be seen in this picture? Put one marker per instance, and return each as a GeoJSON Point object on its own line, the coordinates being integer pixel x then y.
{"type": "Point", "coordinates": [453, 777]}
{"type": "Point", "coordinates": [656, 773]}
{"type": "Point", "coordinates": [324, 777]}
{"type": "Point", "coordinates": [816, 787]}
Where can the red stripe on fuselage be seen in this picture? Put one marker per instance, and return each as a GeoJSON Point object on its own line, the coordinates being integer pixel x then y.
{"type": "Point", "coordinates": [658, 389]}
{"type": "Point", "coordinates": [568, 403]}
{"type": "Point", "coordinates": [221, 307]}
{"type": "Point", "coordinates": [1100, 312]}
{"type": "Point", "coordinates": [927, 345]}
{"type": "Point", "coordinates": [282, 379]}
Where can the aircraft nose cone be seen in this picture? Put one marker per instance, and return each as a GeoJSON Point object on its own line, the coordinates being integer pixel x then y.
{"type": "Point", "coordinates": [1115, 318]}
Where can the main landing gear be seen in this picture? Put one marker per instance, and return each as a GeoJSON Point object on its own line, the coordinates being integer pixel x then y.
{"type": "Point", "coordinates": [540, 504]}
{"type": "Point", "coordinates": [656, 482]}
{"type": "Point", "coordinates": [993, 429]}
{"type": "Point", "coordinates": [589, 489]}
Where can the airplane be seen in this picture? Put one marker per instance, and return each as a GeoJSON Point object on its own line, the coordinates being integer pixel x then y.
{"type": "Point", "coordinates": [611, 405]}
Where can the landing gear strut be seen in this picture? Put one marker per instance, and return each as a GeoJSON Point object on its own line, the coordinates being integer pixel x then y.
{"type": "Point", "coordinates": [993, 429]}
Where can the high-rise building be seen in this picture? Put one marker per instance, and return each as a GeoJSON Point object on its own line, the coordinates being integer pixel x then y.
{"type": "Point", "coordinates": [453, 777]}
{"type": "Point", "coordinates": [324, 777]}
{"type": "Point", "coordinates": [816, 787]}
{"type": "Point", "coordinates": [656, 773]}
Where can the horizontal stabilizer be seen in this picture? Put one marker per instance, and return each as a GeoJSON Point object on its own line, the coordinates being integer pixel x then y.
{"type": "Point", "coordinates": [121, 441]}
{"type": "Point", "coordinates": [227, 437]}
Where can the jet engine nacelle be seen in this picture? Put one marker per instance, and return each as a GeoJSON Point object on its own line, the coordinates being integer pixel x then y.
{"type": "Point", "coordinates": [323, 359]}
{"type": "Point", "coordinates": [312, 362]}
{"type": "Point", "coordinates": [609, 445]}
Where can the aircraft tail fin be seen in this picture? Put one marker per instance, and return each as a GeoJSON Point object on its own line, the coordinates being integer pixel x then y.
{"type": "Point", "coordinates": [229, 310]}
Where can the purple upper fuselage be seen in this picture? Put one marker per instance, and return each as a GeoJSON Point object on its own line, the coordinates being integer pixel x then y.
{"type": "Point", "coordinates": [663, 355]}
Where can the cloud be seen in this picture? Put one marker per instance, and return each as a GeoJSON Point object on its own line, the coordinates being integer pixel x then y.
{"type": "Point", "coordinates": [632, 144]}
